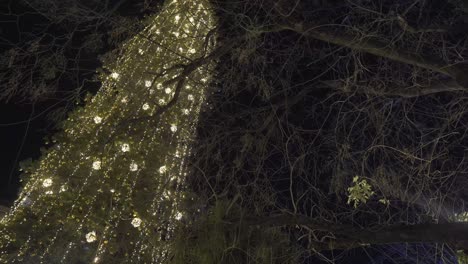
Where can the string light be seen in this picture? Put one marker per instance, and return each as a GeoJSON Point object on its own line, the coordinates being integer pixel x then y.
{"type": "Point", "coordinates": [81, 201]}
{"type": "Point", "coordinates": [47, 182]}
{"type": "Point", "coordinates": [115, 75]}
{"type": "Point", "coordinates": [133, 166]}
{"type": "Point", "coordinates": [97, 119]}
{"type": "Point", "coordinates": [97, 165]}
{"type": "Point", "coordinates": [125, 147]}
{"type": "Point", "coordinates": [91, 237]}
{"type": "Point", "coordinates": [136, 222]}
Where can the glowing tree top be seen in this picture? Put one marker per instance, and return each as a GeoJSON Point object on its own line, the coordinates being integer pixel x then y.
{"type": "Point", "coordinates": [109, 190]}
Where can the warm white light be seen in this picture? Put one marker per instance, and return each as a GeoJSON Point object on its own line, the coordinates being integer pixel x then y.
{"type": "Point", "coordinates": [163, 169]}
{"type": "Point", "coordinates": [178, 216]}
{"type": "Point", "coordinates": [97, 119]}
{"type": "Point", "coordinates": [168, 90]}
{"type": "Point", "coordinates": [133, 166]}
{"type": "Point", "coordinates": [162, 101]}
{"type": "Point", "coordinates": [173, 128]}
{"type": "Point", "coordinates": [145, 106]}
{"type": "Point", "coordinates": [148, 83]}
{"type": "Point", "coordinates": [97, 165]}
{"type": "Point", "coordinates": [190, 97]}
{"type": "Point", "coordinates": [115, 75]}
{"type": "Point", "coordinates": [47, 182]}
{"type": "Point", "coordinates": [125, 147]}
{"type": "Point", "coordinates": [136, 222]}
{"type": "Point", "coordinates": [185, 111]}
{"type": "Point", "coordinates": [49, 192]}
{"type": "Point", "coordinates": [91, 237]}
{"type": "Point", "coordinates": [26, 201]}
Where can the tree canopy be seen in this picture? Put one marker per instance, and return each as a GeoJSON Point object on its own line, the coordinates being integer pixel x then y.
{"type": "Point", "coordinates": [261, 132]}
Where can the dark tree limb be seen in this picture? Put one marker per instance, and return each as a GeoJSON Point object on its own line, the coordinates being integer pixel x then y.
{"type": "Point", "coordinates": [379, 48]}
{"type": "Point", "coordinates": [455, 234]}
{"type": "Point", "coordinates": [406, 92]}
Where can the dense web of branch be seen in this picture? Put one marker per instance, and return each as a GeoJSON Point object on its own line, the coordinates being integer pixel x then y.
{"type": "Point", "coordinates": [286, 141]}
{"type": "Point", "coordinates": [292, 115]}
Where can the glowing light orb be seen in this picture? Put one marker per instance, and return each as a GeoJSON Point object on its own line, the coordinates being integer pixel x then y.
{"type": "Point", "coordinates": [133, 166]}
{"type": "Point", "coordinates": [97, 119]}
{"type": "Point", "coordinates": [97, 165]}
{"type": "Point", "coordinates": [91, 237]}
{"type": "Point", "coordinates": [47, 182]}
{"type": "Point", "coordinates": [125, 147]}
{"type": "Point", "coordinates": [136, 222]}
{"type": "Point", "coordinates": [173, 128]}
{"type": "Point", "coordinates": [115, 75]}
{"type": "Point", "coordinates": [178, 216]}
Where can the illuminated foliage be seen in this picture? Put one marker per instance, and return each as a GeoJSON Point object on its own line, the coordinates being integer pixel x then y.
{"type": "Point", "coordinates": [360, 192]}
{"type": "Point", "coordinates": [109, 189]}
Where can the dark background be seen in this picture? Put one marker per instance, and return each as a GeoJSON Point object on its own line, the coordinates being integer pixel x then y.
{"type": "Point", "coordinates": [22, 125]}
{"type": "Point", "coordinates": [25, 122]}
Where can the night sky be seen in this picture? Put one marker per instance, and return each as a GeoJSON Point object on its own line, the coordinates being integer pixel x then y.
{"type": "Point", "coordinates": [22, 126]}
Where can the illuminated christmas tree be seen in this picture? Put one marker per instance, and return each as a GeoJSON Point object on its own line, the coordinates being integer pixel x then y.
{"type": "Point", "coordinates": [109, 190]}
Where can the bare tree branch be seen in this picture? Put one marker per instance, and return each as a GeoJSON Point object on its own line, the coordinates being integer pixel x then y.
{"type": "Point", "coordinates": [376, 47]}
{"type": "Point", "coordinates": [406, 92]}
